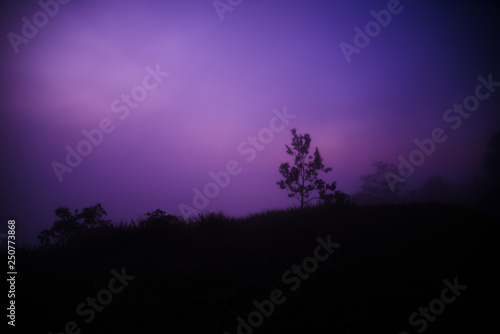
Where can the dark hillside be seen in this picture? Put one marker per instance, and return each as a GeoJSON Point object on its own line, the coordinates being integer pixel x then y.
{"type": "Point", "coordinates": [391, 261]}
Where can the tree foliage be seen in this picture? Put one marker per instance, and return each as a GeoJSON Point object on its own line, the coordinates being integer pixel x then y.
{"type": "Point", "coordinates": [492, 159]}
{"type": "Point", "coordinates": [159, 218]}
{"type": "Point", "coordinates": [341, 197]}
{"type": "Point", "coordinates": [491, 183]}
{"type": "Point", "coordinates": [375, 188]}
{"type": "Point", "coordinates": [302, 179]}
{"type": "Point", "coordinates": [70, 226]}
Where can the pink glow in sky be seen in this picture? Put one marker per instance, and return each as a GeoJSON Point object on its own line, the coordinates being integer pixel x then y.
{"type": "Point", "coordinates": [225, 78]}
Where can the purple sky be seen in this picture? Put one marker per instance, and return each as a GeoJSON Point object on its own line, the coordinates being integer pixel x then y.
{"type": "Point", "coordinates": [225, 78]}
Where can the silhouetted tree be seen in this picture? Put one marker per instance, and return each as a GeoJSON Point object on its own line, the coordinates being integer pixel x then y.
{"type": "Point", "coordinates": [492, 159]}
{"type": "Point", "coordinates": [302, 178]}
{"type": "Point", "coordinates": [436, 189]}
{"type": "Point", "coordinates": [475, 191]}
{"type": "Point", "coordinates": [69, 226]}
{"type": "Point", "coordinates": [63, 229]}
{"type": "Point", "coordinates": [492, 169]}
{"type": "Point", "coordinates": [484, 190]}
{"type": "Point", "coordinates": [93, 217]}
{"type": "Point", "coordinates": [158, 217]}
{"type": "Point", "coordinates": [341, 197]}
{"type": "Point", "coordinates": [375, 188]}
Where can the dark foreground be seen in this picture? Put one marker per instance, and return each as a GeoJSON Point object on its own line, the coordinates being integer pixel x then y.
{"type": "Point", "coordinates": [381, 266]}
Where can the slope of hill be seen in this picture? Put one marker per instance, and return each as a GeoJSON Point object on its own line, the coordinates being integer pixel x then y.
{"type": "Point", "coordinates": [272, 273]}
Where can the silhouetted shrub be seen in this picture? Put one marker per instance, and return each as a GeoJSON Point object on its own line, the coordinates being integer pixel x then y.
{"type": "Point", "coordinates": [71, 227]}
{"type": "Point", "coordinates": [341, 197]}
{"type": "Point", "coordinates": [159, 218]}
{"type": "Point", "coordinates": [212, 221]}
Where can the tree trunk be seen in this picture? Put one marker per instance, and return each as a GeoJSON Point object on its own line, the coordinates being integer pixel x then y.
{"type": "Point", "coordinates": [302, 191]}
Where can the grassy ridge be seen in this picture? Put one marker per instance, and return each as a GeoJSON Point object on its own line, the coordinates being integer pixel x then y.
{"type": "Point", "coordinates": [200, 277]}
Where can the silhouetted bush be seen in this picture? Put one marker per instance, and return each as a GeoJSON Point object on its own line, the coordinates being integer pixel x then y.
{"type": "Point", "coordinates": [341, 197]}
{"type": "Point", "coordinates": [159, 218]}
{"type": "Point", "coordinates": [213, 221]}
{"type": "Point", "coordinates": [73, 227]}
